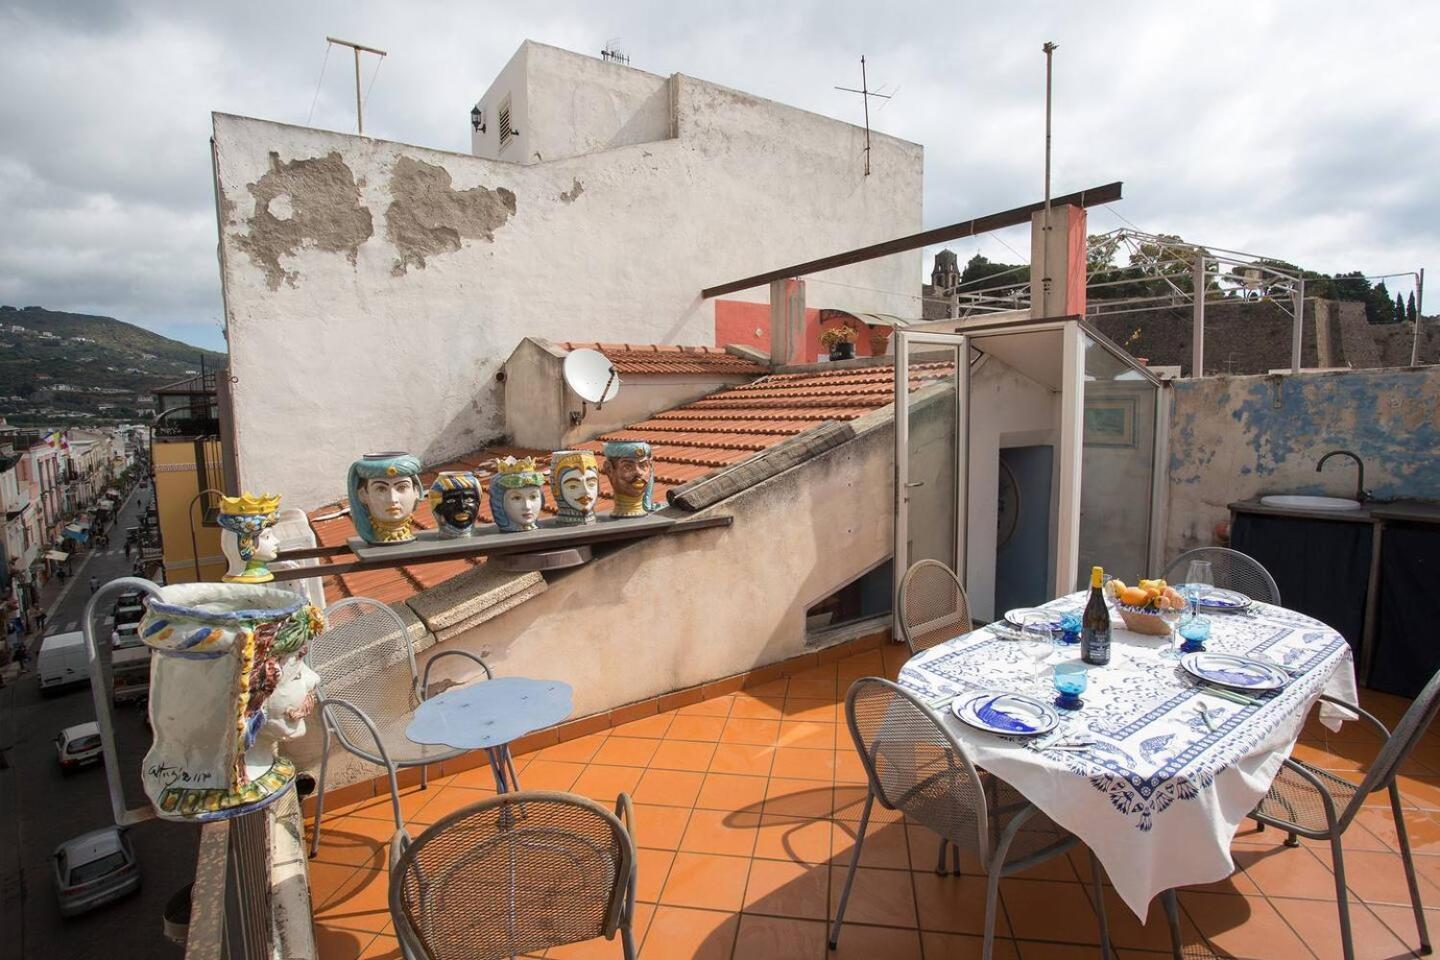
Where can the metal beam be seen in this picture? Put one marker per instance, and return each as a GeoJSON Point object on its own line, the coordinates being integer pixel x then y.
{"type": "Point", "coordinates": [915, 241]}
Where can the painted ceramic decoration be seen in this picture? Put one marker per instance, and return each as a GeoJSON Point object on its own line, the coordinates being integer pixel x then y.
{"type": "Point", "coordinates": [517, 492]}
{"type": "Point", "coordinates": [384, 491]}
{"type": "Point", "coordinates": [632, 476]}
{"type": "Point", "coordinates": [455, 501]}
{"type": "Point", "coordinates": [228, 683]}
{"type": "Point", "coordinates": [575, 485]}
{"type": "Point", "coordinates": [248, 538]}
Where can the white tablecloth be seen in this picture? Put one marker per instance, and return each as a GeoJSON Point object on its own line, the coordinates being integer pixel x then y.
{"type": "Point", "coordinates": [1159, 796]}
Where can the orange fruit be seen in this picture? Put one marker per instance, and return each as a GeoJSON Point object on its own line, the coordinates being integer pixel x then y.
{"type": "Point", "coordinates": [1134, 596]}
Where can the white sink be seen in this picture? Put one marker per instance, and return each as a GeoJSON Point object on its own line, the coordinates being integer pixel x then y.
{"type": "Point", "coordinates": [1296, 502]}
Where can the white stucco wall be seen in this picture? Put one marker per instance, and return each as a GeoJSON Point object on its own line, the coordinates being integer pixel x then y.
{"type": "Point", "coordinates": [374, 304]}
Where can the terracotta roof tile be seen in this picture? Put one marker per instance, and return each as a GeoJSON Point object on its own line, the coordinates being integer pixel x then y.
{"type": "Point", "coordinates": [689, 442]}
{"type": "Point", "coordinates": [669, 358]}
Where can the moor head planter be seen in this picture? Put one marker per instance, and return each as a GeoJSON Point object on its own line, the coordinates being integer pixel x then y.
{"type": "Point", "coordinates": [631, 471]}
{"type": "Point", "coordinates": [384, 491]}
{"type": "Point", "coordinates": [517, 492]}
{"type": "Point", "coordinates": [575, 485]}
{"type": "Point", "coordinates": [455, 502]}
{"type": "Point", "coordinates": [247, 537]}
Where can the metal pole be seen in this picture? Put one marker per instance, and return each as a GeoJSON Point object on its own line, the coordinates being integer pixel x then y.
{"type": "Point", "coordinates": [1298, 329]}
{"type": "Point", "coordinates": [865, 97]}
{"type": "Point", "coordinates": [1197, 325]}
{"type": "Point", "coordinates": [1049, 49]}
{"type": "Point", "coordinates": [190, 518]}
{"type": "Point", "coordinates": [359, 117]}
{"type": "Point", "coordinates": [1419, 312]}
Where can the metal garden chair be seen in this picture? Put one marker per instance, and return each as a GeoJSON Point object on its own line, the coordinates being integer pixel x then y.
{"type": "Point", "coordinates": [916, 766]}
{"type": "Point", "coordinates": [1314, 803]}
{"type": "Point", "coordinates": [1232, 570]}
{"type": "Point", "coordinates": [516, 874]}
{"type": "Point", "coordinates": [933, 606]}
{"type": "Point", "coordinates": [369, 689]}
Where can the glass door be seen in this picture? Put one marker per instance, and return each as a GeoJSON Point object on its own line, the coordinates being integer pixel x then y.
{"type": "Point", "coordinates": [931, 450]}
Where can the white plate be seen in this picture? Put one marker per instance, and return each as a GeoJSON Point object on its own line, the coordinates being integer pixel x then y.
{"type": "Point", "coordinates": [1016, 617]}
{"type": "Point", "coordinates": [1237, 673]}
{"type": "Point", "coordinates": [1214, 598]}
{"type": "Point", "coordinates": [1011, 714]}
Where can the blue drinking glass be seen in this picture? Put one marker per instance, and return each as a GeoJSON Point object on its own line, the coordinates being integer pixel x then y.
{"type": "Point", "coordinates": [1071, 680]}
{"type": "Point", "coordinates": [1196, 630]}
{"type": "Point", "coordinates": [1070, 628]}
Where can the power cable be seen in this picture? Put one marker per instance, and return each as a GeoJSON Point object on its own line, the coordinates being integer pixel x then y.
{"type": "Point", "coordinates": [316, 98]}
{"type": "Point", "coordinates": [366, 99]}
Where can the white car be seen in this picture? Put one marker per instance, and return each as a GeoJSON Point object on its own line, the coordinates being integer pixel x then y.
{"type": "Point", "coordinates": [94, 869]}
{"type": "Point", "coordinates": [78, 745]}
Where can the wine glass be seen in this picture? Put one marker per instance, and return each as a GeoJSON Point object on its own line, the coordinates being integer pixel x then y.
{"type": "Point", "coordinates": [1037, 638]}
{"type": "Point", "coordinates": [1198, 576]}
{"type": "Point", "coordinates": [1170, 614]}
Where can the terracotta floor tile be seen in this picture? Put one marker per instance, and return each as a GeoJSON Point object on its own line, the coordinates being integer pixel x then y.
{"type": "Point", "coordinates": [884, 897]}
{"type": "Point", "coordinates": [476, 778]}
{"type": "Point", "coordinates": [1287, 872]}
{"type": "Point", "coordinates": [361, 904]}
{"type": "Point", "coordinates": [551, 775]}
{"type": "Point", "coordinates": [804, 840]}
{"type": "Point", "coordinates": [668, 788]}
{"type": "Point", "coordinates": [779, 938]}
{"type": "Point", "coordinates": [412, 801]}
{"type": "Point", "coordinates": [952, 904]}
{"type": "Point", "coordinates": [803, 733]}
{"type": "Point", "coordinates": [677, 933]}
{"type": "Point", "coordinates": [1319, 922]}
{"type": "Point", "coordinates": [885, 845]}
{"type": "Point", "coordinates": [742, 758]}
{"type": "Point", "coordinates": [649, 727]}
{"type": "Point", "coordinates": [1044, 909]}
{"type": "Point", "coordinates": [703, 728]}
{"type": "Point", "coordinates": [706, 880]}
{"type": "Point", "coordinates": [1376, 877]}
{"type": "Point", "coordinates": [848, 767]}
{"type": "Point", "coordinates": [774, 689]}
{"type": "Point", "coordinates": [951, 946]}
{"type": "Point", "coordinates": [731, 791]}
{"type": "Point", "coordinates": [335, 943]}
{"type": "Point", "coordinates": [801, 764]}
{"type": "Point", "coordinates": [355, 841]}
{"type": "Point", "coordinates": [602, 949]}
{"type": "Point", "coordinates": [683, 755]}
{"type": "Point", "coordinates": [579, 750]}
{"type": "Point", "coordinates": [798, 798]}
{"type": "Point", "coordinates": [715, 831]}
{"type": "Point", "coordinates": [625, 752]}
{"type": "Point", "coordinates": [748, 707]}
{"type": "Point", "coordinates": [1126, 930]}
{"type": "Point", "coordinates": [326, 879]}
{"type": "Point", "coordinates": [604, 784]}
{"type": "Point", "coordinates": [861, 942]}
{"type": "Point", "coordinates": [652, 867]}
{"type": "Point", "coordinates": [1243, 926]}
{"type": "Point", "coordinates": [716, 707]}
{"type": "Point", "coordinates": [850, 805]}
{"type": "Point", "coordinates": [743, 730]}
{"type": "Point", "coordinates": [451, 799]}
{"type": "Point", "coordinates": [1422, 827]}
{"type": "Point", "coordinates": [1401, 921]}
{"type": "Point", "coordinates": [782, 888]}
{"type": "Point", "coordinates": [659, 827]}
{"type": "Point", "coordinates": [383, 947]}
{"type": "Point", "coordinates": [809, 709]}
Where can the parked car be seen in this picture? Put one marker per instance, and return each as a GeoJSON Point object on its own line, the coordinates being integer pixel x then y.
{"type": "Point", "coordinates": [62, 661]}
{"type": "Point", "coordinates": [125, 636]}
{"type": "Point", "coordinates": [78, 745]}
{"type": "Point", "coordinates": [130, 673]}
{"type": "Point", "coordinates": [129, 608]}
{"type": "Point", "coordinates": [93, 869]}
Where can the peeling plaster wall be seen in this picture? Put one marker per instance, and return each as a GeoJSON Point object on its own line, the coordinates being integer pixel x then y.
{"type": "Point", "coordinates": [1237, 438]}
{"type": "Point", "coordinates": [341, 344]}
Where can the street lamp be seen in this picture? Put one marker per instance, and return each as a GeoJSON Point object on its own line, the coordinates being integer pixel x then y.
{"type": "Point", "coordinates": [477, 119]}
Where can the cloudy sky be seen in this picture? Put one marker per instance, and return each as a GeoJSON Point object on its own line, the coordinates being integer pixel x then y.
{"type": "Point", "coordinates": [1309, 132]}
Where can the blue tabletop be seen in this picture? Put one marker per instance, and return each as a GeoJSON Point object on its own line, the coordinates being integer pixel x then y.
{"type": "Point", "coordinates": [490, 713]}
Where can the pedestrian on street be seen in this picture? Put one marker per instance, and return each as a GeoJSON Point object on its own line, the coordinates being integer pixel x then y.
{"type": "Point", "coordinates": [22, 655]}
{"type": "Point", "coordinates": [62, 574]}
{"type": "Point", "coordinates": [94, 584]}
{"type": "Point", "coordinates": [127, 549]}
{"type": "Point", "coordinates": [41, 619]}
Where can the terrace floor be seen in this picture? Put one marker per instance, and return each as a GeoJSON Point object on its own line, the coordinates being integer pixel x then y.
{"type": "Point", "coordinates": [746, 810]}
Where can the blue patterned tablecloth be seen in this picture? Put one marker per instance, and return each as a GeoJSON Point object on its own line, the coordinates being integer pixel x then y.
{"type": "Point", "coordinates": [1159, 796]}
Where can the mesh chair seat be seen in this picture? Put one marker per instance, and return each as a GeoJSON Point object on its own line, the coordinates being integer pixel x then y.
{"type": "Point", "coordinates": [1297, 801]}
{"type": "Point", "coordinates": [933, 606]}
{"type": "Point", "coordinates": [401, 750]}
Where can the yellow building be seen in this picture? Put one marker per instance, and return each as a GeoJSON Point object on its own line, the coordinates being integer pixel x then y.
{"type": "Point", "coordinates": [188, 459]}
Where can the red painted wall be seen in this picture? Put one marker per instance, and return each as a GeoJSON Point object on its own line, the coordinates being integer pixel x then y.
{"type": "Point", "coordinates": [747, 324]}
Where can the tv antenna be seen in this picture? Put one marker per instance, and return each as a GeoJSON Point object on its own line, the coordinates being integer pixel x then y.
{"type": "Point", "coordinates": [591, 375]}
{"type": "Point", "coordinates": [866, 93]}
{"type": "Point", "coordinates": [358, 47]}
{"type": "Point", "coordinates": [613, 54]}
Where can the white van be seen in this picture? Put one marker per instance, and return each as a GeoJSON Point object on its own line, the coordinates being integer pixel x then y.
{"type": "Point", "coordinates": [62, 661]}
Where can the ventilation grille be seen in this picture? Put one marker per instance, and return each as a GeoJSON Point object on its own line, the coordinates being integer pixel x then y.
{"type": "Point", "coordinates": [507, 132]}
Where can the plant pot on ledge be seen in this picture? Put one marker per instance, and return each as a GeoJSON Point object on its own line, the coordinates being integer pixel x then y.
{"type": "Point", "coordinates": [844, 350]}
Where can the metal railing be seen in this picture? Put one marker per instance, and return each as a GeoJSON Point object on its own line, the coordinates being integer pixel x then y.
{"type": "Point", "coordinates": [230, 915]}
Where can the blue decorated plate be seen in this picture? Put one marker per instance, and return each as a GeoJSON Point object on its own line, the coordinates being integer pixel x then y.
{"type": "Point", "coordinates": [1213, 598]}
{"type": "Point", "coordinates": [1238, 673]}
{"type": "Point", "coordinates": [1007, 713]}
{"type": "Point", "coordinates": [1016, 618]}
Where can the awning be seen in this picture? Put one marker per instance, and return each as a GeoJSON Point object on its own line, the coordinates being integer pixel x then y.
{"type": "Point", "coordinates": [79, 525]}
{"type": "Point", "coordinates": [76, 533]}
{"type": "Point", "coordinates": [104, 504]}
{"type": "Point", "coordinates": [112, 492]}
{"type": "Point", "coordinates": [56, 555]}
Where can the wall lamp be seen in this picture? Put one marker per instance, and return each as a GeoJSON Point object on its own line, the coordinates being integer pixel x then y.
{"type": "Point", "coordinates": [477, 119]}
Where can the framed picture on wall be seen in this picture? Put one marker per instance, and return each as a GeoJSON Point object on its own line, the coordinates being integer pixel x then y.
{"type": "Point", "coordinates": [1110, 422]}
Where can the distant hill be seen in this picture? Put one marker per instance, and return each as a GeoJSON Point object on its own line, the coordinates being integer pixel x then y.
{"type": "Point", "coordinates": [58, 366]}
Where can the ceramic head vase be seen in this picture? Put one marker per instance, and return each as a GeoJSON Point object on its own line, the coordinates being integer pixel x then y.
{"type": "Point", "coordinates": [455, 501]}
{"type": "Point", "coordinates": [575, 485]}
{"type": "Point", "coordinates": [632, 477]}
{"type": "Point", "coordinates": [384, 491]}
{"type": "Point", "coordinates": [248, 538]}
{"type": "Point", "coordinates": [228, 683]}
{"type": "Point", "coordinates": [517, 492]}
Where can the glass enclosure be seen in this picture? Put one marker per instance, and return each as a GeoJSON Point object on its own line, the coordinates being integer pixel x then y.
{"type": "Point", "coordinates": [1117, 486]}
{"type": "Point", "coordinates": [931, 495]}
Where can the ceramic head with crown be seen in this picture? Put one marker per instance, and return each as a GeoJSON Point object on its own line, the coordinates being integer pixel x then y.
{"type": "Point", "coordinates": [248, 538]}
{"type": "Point", "coordinates": [575, 485]}
{"type": "Point", "coordinates": [517, 494]}
{"type": "Point", "coordinates": [455, 502]}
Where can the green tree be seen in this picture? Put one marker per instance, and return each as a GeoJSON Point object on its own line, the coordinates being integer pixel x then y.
{"type": "Point", "coordinates": [1399, 308]}
{"type": "Point", "coordinates": [1379, 308]}
{"type": "Point", "coordinates": [980, 269]}
{"type": "Point", "coordinates": [1411, 313]}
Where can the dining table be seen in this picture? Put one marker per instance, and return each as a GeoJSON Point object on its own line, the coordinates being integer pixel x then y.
{"type": "Point", "coordinates": [1156, 771]}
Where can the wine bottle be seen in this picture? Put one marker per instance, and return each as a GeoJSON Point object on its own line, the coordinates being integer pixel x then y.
{"type": "Point", "coordinates": [1095, 625]}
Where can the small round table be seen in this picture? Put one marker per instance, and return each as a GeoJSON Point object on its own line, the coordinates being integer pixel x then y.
{"type": "Point", "coordinates": [488, 715]}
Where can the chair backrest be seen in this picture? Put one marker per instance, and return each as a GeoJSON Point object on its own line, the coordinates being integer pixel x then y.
{"type": "Point", "coordinates": [933, 605]}
{"type": "Point", "coordinates": [1396, 751]}
{"type": "Point", "coordinates": [364, 656]}
{"type": "Point", "coordinates": [511, 875]}
{"type": "Point", "coordinates": [1232, 570]}
{"type": "Point", "coordinates": [914, 765]}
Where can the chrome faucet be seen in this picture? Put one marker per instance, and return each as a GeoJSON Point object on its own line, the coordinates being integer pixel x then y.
{"type": "Point", "coordinates": [1360, 493]}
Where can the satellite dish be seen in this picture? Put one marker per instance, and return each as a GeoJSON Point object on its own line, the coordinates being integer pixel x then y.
{"type": "Point", "coordinates": [592, 376]}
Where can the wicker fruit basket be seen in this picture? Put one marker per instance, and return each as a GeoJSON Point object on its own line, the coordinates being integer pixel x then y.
{"type": "Point", "coordinates": [1143, 620]}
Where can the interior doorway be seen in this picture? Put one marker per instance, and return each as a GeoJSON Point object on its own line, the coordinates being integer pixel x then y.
{"type": "Point", "coordinates": [1022, 535]}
